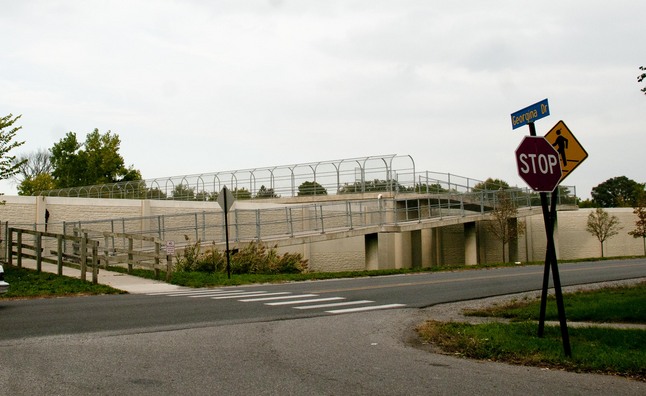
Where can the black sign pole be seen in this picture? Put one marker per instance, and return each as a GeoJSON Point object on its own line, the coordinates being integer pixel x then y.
{"type": "Point", "coordinates": [549, 218]}
{"type": "Point", "coordinates": [226, 230]}
{"type": "Point", "coordinates": [557, 281]}
{"type": "Point", "coordinates": [546, 271]}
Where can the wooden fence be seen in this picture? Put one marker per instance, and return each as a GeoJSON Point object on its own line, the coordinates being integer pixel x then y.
{"type": "Point", "coordinates": [140, 250]}
{"type": "Point", "coordinates": [85, 255]}
{"type": "Point", "coordinates": [47, 247]}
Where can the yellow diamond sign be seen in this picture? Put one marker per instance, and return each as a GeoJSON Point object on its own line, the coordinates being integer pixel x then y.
{"type": "Point", "coordinates": [571, 153]}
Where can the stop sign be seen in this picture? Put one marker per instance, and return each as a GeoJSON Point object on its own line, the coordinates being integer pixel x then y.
{"type": "Point", "coordinates": [538, 163]}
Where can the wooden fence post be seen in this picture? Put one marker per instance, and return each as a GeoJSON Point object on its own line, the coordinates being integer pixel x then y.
{"type": "Point", "coordinates": [83, 256]}
{"type": "Point", "coordinates": [19, 248]}
{"type": "Point", "coordinates": [95, 262]}
{"type": "Point", "coordinates": [59, 254]}
{"type": "Point", "coordinates": [39, 251]}
{"type": "Point", "coordinates": [10, 246]}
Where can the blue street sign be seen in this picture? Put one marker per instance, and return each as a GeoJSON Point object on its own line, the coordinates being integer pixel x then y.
{"type": "Point", "coordinates": [530, 114]}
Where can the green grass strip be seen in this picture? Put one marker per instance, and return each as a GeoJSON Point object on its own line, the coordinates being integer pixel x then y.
{"type": "Point", "coordinates": [594, 350]}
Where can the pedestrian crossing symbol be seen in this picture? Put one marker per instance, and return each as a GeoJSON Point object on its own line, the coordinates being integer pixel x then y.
{"type": "Point", "coordinates": [571, 153]}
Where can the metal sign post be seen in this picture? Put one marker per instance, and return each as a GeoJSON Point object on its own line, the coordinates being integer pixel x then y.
{"type": "Point", "coordinates": [528, 116]}
{"type": "Point", "coordinates": [225, 199]}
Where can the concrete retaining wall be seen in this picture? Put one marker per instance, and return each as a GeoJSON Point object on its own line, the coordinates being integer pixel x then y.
{"type": "Point", "coordinates": [573, 241]}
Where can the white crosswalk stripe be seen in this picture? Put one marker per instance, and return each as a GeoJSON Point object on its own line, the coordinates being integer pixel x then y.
{"type": "Point", "coordinates": [277, 299]}
{"type": "Point", "coordinates": [341, 304]}
{"type": "Point", "coordinates": [362, 309]}
{"type": "Point", "coordinates": [312, 300]}
{"type": "Point", "coordinates": [259, 299]}
{"type": "Point", "coordinates": [251, 294]}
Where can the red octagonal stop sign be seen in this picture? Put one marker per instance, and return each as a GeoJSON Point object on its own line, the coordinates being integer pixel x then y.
{"type": "Point", "coordinates": [538, 163]}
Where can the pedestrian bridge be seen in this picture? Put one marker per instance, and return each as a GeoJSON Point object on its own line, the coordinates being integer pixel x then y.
{"type": "Point", "coordinates": [382, 203]}
{"type": "Point", "coordinates": [390, 228]}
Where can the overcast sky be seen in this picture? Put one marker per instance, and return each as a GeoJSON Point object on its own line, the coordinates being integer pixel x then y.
{"type": "Point", "coordinates": [203, 86]}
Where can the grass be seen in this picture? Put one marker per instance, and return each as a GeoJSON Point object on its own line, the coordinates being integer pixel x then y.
{"type": "Point", "coordinates": [618, 304]}
{"type": "Point", "coordinates": [594, 349]}
{"type": "Point", "coordinates": [27, 283]}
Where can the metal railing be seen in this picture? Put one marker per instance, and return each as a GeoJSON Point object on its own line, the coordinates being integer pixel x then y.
{"type": "Point", "coordinates": [295, 220]}
{"type": "Point", "coordinates": [139, 239]}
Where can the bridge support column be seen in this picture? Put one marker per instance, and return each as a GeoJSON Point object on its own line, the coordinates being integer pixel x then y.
{"type": "Point", "coordinates": [437, 254]}
{"type": "Point", "coordinates": [391, 250]}
{"type": "Point", "coordinates": [470, 244]}
{"type": "Point", "coordinates": [416, 247]}
{"type": "Point", "coordinates": [426, 249]}
{"type": "Point", "coordinates": [372, 251]}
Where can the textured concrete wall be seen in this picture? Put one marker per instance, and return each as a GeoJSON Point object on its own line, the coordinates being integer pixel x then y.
{"type": "Point", "coordinates": [445, 246]}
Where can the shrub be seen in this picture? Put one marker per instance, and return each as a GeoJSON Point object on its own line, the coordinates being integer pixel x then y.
{"type": "Point", "coordinates": [255, 258]}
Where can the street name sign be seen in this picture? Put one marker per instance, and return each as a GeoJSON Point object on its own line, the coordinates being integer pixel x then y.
{"type": "Point", "coordinates": [530, 114]}
{"type": "Point", "coordinates": [538, 164]}
{"type": "Point", "coordinates": [570, 151]}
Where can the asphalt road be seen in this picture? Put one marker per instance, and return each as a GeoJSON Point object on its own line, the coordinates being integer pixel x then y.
{"type": "Point", "coordinates": [230, 341]}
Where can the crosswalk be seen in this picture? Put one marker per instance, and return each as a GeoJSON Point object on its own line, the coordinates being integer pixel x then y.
{"type": "Point", "coordinates": [306, 301]}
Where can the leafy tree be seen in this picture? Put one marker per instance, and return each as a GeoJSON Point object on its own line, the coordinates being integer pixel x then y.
{"type": "Point", "coordinates": [311, 188]}
{"type": "Point", "coordinates": [502, 226]}
{"type": "Point", "coordinates": [96, 161]}
{"type": "Point", "coordinates": [586, 203]}
{"type": "Point", "coordinates": [491, 184]}
{"type": "Point", "coordinates": [241, 193]}
{"type": "Point", "coordinates": [372, 186]}
{"type": "Point", "coordinates": [641, 77]}
{"type": "Point", "coordinates": [182, 192]}
{"type": "Point", "coordinates": [602, 225]}
{"type": "Point", "coordinates": [434, 188]}
{"type": "Point", "coordinates": [34, 185]}
{"type": "Point", "coordinates": [640, 224]}
{"type": "Point", "coordinates": [265, 192]}
{"type": "Point", "coordinates": [8, 164]}
{"type": "Point", "coordinates": [617, 192]}
{"type": "Point", "coordinates": [206, 196]}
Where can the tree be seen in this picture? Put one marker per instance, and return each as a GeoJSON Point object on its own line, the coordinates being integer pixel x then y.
{"type": "Point", "coordinates": [34, 173]}
{"type": "Point", "coordinates": [503, 225]}
{"type": "Point", "coordinates": [265, 192]}
{"type": "Point", "coordinates": [311, 188]}
{"type": "Point", "coordinates": [34, 185]}
{"type": "Point", "coordinates": [640, 224]}
{"type": "Point", "coordinates": [241, 193]}
{"type": "Point", "coordinates": [434, 188]}
{"type": "Point", "coordinates": [617, 192]}
{"type": "Point", "coordinates": [491, 184]}
{"type": "Point", "coordinates": [375, 185]}
{"type": "Point", "coordinates": [8, 164]}
{"type": "Point", "coordinates": [642, 77]}
{"type": "Point", "coordinates": [602, 225]}
{"type": "Point", "coordinates": [96, 161]}
{"type": "Point", "coordinates": [182, 192]}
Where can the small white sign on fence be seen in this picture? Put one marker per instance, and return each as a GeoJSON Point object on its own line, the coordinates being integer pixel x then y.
{"type": "Point", "coordinates": [170, 248]}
